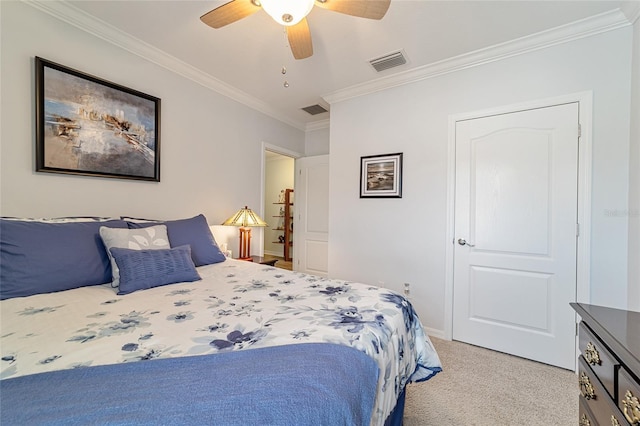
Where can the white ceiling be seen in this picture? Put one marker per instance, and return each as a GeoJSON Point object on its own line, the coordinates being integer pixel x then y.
{"type": "Point", "coordinates": [244, 60]}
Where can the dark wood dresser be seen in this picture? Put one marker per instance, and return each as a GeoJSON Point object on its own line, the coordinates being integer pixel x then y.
{"type": "Point", "coordinates": [608, 366]}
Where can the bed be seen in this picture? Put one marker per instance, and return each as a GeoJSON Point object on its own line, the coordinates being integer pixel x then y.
{"type": "Point", "coordinates": [188, 336]}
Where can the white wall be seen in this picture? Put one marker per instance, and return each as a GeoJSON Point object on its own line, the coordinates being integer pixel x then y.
{"type": "Point", "coordinates": [317, 142]}
{"type": "Point", "coordinates": [211, 146]}
{"type": "Point", "coordinates": [279, 174]}
{"type": "Point", "coordinates": [634, 177]}
{"type": "Point", "coordinates": [403, 240]}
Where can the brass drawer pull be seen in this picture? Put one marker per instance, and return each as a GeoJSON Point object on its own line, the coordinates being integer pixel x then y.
{"type": "Point", "coordinates": [631, 408]}
{"type": "Point", "coordinates": [584, 421]}
{"type": "Point", "coordinates": [614, 421]}
{"type": "Point", "coordinates": [586, 388]}
{"type": "Point", "coordinates": [591, 354]}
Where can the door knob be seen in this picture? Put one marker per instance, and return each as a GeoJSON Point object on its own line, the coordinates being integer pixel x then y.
{"type": "Point", "coordinates": [464, 242]}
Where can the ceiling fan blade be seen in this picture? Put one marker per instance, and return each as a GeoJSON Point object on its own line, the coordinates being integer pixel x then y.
{"type": "Point", "coordinates": [229, 13]}
{"type": "Point", "coordinates": [371, 9]}
{"type": "Point", "coordinates": [300, 39]}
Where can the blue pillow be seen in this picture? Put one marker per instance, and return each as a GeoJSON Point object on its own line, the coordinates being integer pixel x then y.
{"type": "Point", "coordinates": [144, 269]}
{"type": "Point", "coordinates": [194, 232]}
{"type": "Point", "coordinates": [46, 256]}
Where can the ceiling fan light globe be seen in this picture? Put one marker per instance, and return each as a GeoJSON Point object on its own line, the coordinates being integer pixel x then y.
{"type": "Point", "coordinates": [287, 12]}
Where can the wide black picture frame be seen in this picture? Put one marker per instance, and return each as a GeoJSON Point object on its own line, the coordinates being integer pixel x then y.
{"type": "Point", "coordinates": [92, 127]}
{"type": "Point", "coordinates": [381, 176]}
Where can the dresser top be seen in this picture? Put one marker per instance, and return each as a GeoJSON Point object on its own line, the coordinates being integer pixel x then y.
{"type": "Point", "coordinates": [618, 329]}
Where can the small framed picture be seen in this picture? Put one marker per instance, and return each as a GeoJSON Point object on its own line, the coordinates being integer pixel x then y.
{"type": "Point", "coordinates": [92, 127]}
{"type": "Point", "coordinates": [381, 176]}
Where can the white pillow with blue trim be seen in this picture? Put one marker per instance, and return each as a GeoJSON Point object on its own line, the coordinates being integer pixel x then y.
{"type": "Point", "coordinates": [151, 238]}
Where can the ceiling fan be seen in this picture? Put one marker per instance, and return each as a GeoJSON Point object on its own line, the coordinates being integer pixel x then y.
{"type": "Point", "coordinates": [292, 14]}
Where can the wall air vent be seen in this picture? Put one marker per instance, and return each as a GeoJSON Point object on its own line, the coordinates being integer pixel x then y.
{"type": "Point", "coordinates": [315, 109]}
{"type": "Point", "coordinates": [390, 60]}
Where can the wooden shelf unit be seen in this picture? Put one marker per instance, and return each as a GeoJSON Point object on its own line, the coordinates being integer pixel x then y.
{"type": "Point", "coordinates": [287, 229]}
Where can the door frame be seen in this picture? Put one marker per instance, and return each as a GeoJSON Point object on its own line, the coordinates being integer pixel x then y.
{"type": "Point", "coordinates": [585, 112]}
{"type": "Point", "coordinates": [278, 150]}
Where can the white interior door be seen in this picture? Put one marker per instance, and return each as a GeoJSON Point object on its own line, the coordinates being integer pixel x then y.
{"type": "Point", "coordinates": [515, 233]}
{"type": "Point", "coordinates": [311, 232]}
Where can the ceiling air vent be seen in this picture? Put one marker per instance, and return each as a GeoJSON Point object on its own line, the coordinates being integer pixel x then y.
{"type": "Point", "coordinates": [315, 109]}
{"type": "Point", "coordinates": [391, 60]}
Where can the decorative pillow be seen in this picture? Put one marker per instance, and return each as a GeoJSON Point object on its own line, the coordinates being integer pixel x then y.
{"type": "Point", "coordinates": [43, 256]}
{"type": "Point", "coordinates": [194, 232]}
{"type": "Point", "coordinates": [152, 238]}
{"type": "Point", "coordinates": [144, 269]}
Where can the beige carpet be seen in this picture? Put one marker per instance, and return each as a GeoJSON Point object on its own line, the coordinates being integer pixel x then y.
{"type": "Point", "coordinates": [482, 387]}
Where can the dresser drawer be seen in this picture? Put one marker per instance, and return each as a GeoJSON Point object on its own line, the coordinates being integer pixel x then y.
{"type": "Point", "coordinates": [600, 360]}
{"type": "Point", "coordinates": [599, 404]}
{"type": "Point", "coordinates": [629, 397]}
{"type": "Point", "coordinates": [584, 415]}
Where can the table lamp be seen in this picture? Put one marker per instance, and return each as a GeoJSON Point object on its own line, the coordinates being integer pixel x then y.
{"type": "Point", "coordinates": [245, 218]}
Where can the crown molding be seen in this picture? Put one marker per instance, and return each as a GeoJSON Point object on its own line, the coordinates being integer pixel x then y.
{"type": "Point", "coordinates": [596, 24]}
{"type": "Point", "coordinates": [632, 11]}
{"type": "Point", "coordinates": [72, 15]}
{"type": "Point", "coordinates": [317, 125]}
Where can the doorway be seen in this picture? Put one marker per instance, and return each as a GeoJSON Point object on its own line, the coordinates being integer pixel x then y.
{"type": "Point", "coordinates": [516, 256]}
{"type": "Point", "coordinates": [279, 180]}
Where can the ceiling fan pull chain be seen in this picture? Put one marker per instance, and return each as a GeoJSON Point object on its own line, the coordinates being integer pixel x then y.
{"type": "Point", "coordinates": [284, 67]}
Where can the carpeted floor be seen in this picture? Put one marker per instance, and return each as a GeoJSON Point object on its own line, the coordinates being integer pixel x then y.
{"type": "Point", "coordinates": [486, 388]}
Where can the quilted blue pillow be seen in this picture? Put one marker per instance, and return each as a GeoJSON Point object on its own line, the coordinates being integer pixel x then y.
{"type": "Point", "coordinates": [194, 232]}
{"type": "Point", "coordinates": [42, 256]}
{"type": "Point", "coordinates": [153, 237]}
{"type": "Point", "coordinates": [144, 269]}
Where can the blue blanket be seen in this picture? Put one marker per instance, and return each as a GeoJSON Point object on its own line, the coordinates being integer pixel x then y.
{"type": "Point", "coordinates": [301, 384]}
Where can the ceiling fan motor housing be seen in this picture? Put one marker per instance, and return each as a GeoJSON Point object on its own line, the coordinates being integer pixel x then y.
{"type": "Point", "coordinates": [287, 12]}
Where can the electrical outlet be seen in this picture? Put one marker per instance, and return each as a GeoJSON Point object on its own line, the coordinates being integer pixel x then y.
{"type": "Point", "coordinates": [407, 290]}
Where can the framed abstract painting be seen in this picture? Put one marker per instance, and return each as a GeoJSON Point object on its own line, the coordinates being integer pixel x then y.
{"type": "Point", "coordinates": [93, 127]}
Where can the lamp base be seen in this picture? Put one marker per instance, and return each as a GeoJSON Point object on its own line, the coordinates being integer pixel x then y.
{"type": "Point", "coordinates": [245, 244]}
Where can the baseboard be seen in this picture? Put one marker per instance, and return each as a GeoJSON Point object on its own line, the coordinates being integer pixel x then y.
{"type": "Point", "coordinates": [432, 332]}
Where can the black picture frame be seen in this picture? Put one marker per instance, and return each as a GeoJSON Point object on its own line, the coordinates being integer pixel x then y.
{"type": "Point", "coordinates": [381, 176]}
{"type": "Point", "coordinates": [92, 127]}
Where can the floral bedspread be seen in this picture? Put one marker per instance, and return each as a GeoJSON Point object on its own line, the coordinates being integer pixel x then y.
{"type": "Point", "coordinates": [237, 305]}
